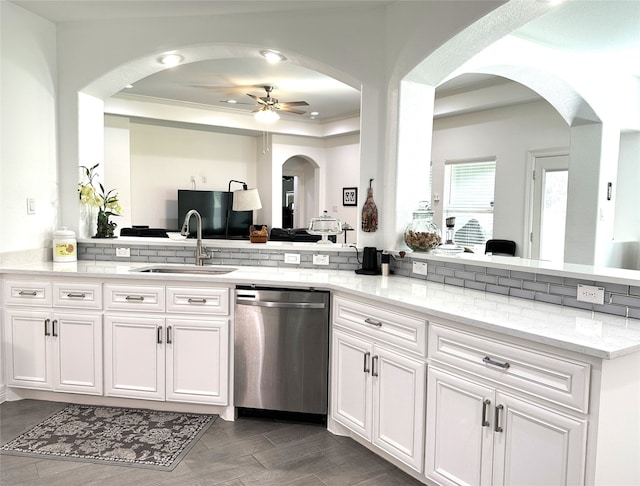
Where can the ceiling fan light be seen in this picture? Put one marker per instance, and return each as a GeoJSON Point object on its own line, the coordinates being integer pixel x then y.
{"type": "Point", "coordinates": [272, 56]}
{"type": "Point", "coordinates": [266, 115]}
{"type": "Point", "coordinates": [170, 59]}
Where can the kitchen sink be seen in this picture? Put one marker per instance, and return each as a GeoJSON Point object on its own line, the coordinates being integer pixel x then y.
{"type": "Point", "coordinates": [189, 269]}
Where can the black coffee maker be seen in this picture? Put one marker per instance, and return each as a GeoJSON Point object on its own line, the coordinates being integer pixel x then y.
{"type": "Point", "coordinates": [369, 262]}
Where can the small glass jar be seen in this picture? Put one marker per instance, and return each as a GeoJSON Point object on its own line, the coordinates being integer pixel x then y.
{"type": "Point", "coordinates": [422, 234]}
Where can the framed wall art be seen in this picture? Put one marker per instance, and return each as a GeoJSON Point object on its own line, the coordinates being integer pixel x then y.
{"type": "Point", "coordinates": [349, 196]}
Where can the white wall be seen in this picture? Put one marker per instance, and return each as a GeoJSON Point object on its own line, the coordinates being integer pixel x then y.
{"type": "Point", "coordinates": [507, 134]}
{"type": "Point", "coordinates": [626, 244]}
{"type": "Point", "coordinates": [116, 170]}
{"type": "Point", "coordinates": [165, 158]}
{"type": "Point", "coordinates": [28, 147]}
{"type": "Point", "coordinates": [343, 170]}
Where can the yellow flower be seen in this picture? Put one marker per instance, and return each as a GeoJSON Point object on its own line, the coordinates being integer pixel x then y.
{"type": "Point", "coordinates": [105, 201]}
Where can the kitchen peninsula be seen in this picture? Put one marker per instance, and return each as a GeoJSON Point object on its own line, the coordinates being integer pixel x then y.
{"type": "Point", "coordinates": [567, 377]}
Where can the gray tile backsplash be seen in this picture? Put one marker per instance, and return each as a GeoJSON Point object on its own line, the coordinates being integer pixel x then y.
{"type": "Point", "coordinates": [620, 300]}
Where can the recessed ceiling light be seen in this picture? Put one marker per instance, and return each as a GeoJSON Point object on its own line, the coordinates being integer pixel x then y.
{"type": "Point", "coordinates": [272, 56]}
{"type": "Point", "coordinates": [129, 86]}
{"type": "Point", "coordinates": [230, 101]}
{"type": "Point", "coordinates": [314, 113]}
{"type": "Point", "coordinates": [170, 59]}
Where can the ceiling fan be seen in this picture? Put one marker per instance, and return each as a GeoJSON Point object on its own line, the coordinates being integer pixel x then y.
{"type": "Point", "coordinates": [269, 103]}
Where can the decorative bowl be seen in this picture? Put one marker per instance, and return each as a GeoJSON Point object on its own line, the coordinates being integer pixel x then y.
{"type": "Point", "coordinates": [176, 236]}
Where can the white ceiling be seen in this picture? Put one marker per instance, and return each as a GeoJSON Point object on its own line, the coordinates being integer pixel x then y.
{"type": "Point", "coordinates": [609, 28]}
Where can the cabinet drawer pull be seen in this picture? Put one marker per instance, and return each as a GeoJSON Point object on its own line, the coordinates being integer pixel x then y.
{"type": "Point", "coordinates": [485, 408]}
{"type": "Point", "coordinates": [53, 327]}
{"type": "Point", "coordinates": [76, 295]}
{"type": "Point", "coordinates": [193, 300]}
{"type": "Point", "coordinates": [169, 341]}
{"type": "Point", "coordinates": [159, 335]}
{"type": "Point", "coordinates": [497, 418]}
{"type": "Point", "coordinates": [136, 298]}
{"type": "Point", "coordinates": [28, 293]}
{"type": "Point", "coordinates": [504, 366]}
{"type": "Point", "coordinates": [46, 327]}
{"type": "Point", "coordinates": [374, 360]}
{"type": "Point", "coordinates": [373, 322]}
{"type": "Point", "coordinates": [366, 362]}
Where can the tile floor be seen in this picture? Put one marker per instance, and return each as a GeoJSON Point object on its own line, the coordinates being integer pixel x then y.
{"type": "Point", "coordinates": [245, 452]}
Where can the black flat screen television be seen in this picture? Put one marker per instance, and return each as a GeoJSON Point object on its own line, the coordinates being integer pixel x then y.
{"type": "Point", "coordinates": [213, 206]}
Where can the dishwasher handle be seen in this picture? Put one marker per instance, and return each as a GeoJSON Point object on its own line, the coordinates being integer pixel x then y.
{"type": "Point", "coordinates": [250, 300]}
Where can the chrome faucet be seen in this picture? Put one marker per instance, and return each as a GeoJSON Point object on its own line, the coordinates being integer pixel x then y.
{"type": "Point", "coordinates": [201, 253]}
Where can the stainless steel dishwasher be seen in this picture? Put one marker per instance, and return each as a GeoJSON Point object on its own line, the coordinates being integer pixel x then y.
{"type": "Point", "coordinates": [281, 349]}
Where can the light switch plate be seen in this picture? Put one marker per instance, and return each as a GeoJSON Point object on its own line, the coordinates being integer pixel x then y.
{"type": "Point", "coordinates": [123, 252]}
{"type": "Point", "coordinates": [292, 258]}
{"type": "Point", "coordinates": [419, 268]}
{"type": "Point", "coordinates": [321, 259]}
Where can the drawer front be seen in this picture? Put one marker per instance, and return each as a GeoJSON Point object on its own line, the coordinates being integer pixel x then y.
{"type": "Point", "coordinates": [405, 331]}
{"type": "Point", "coordinates": [17, 292]}
{"type": "Point", "coordinates": [77, 295]}
{"type": "Point", "coordinates": [198, 300]}
{"type": "Point", "coordinates": [555, 378]}
{"type": "Point", "coordinates": [134, 297]}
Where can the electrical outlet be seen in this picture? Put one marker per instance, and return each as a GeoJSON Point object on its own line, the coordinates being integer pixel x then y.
{"type": "Point", "coordinates": [321, 259]}
{"type": "Point", "coordinates": [292, 258]}
{"type": "Point", "coordinates": [419, 268]}
{"type": "Point", "coordinates": [123, 252]}
{"type": "Point", "coordinates": [589, 293]}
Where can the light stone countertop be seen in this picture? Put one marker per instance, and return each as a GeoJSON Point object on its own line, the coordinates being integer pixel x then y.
{"type": "Point", "coordinates": [592, 334]}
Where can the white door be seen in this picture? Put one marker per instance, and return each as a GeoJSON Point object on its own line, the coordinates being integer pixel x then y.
{"type": "Point", "coordinates": [351, 383]}
{"type": "Point", "coordinates": [460, 420]}
{"type": "Point", "coordinates": [77, 353]}
{"type": "Point", "coordinates": [134, 357]}
{"type": "Point", "coordinates": [197, 360]}
{"type": "Point", "coordinates": [537, 445]}
{"type": "Point", "coordinates": [398, 405]}
{"type": "Point", "coordinates": [549, 207]}
{"type": "Point", "coordinates": [29, 349]}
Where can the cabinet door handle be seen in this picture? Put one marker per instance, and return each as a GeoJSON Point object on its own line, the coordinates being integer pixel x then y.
{"type": "Point", "coordinates": [374, 360]}
{"type": "Point", "coordinates": [53, 326]}
{"type": "Point", "coordinates": [489, 361]}
{"type": "Point", "coordinates": [46, 327]}
{"type": "Point", "coordinates": [486, 403]}
{"type": "Point", "coordinates": [373, 322]}
{"type": "Point", "coordinates": [366, 362]}
{"type": "Point", "coordinates": [169, 341]}
{"type": "Point", "coordinates": [159, 335]}
{"type": "Point", "coordinates": [193, 300]}
{"type": "Point", "coordinates": [76, 295]}
{"type": "Point", "coordinates": [497, 418]}
{"type": "Point", "coordinates": [30, 293]}
{"type": "Point", "coordinates": [137, 298]}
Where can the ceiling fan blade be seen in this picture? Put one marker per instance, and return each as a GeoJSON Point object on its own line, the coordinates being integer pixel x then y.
{"type": "Point", "coordinates": [294, 103]}
{"type": "Point", "coordinates": [291, 110]}
{"type": "Point", "coordinates": [259, 100]}
{"type": "Point", "coordinates": [235, 103]}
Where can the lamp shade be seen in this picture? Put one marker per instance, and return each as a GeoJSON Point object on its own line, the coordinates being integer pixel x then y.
{"type": "Point", "coordinates": [246, 200]}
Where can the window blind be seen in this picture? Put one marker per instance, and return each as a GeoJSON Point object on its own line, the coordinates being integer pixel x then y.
{"type": "Point", "coordinates": [469, 198]}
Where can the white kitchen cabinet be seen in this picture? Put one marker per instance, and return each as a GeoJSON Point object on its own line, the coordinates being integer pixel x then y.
{"type": "Point", "coordinates": [172, 359]}
{"type": "Point", "coordinates": [167, 343]}
{"type": "Point", "coordinates": [378, 393]}
{"type": "Point", "coordinates": [351, 397]}
{"type": "Point", "coordinates": [134, 356]}
{"type": "Point", "coordinates": [54, 351]}
{"type": "Point", "coordinates": [487, 430]}
{"type": "Point", "coordinates": [197, 360]}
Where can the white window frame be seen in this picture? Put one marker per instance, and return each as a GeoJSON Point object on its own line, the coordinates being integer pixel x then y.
{"type": "Point", "coordinates": [484, 211]}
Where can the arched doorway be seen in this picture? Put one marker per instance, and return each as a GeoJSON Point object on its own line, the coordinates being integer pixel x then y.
{"type": "Point", "coordinates": [299, 191]}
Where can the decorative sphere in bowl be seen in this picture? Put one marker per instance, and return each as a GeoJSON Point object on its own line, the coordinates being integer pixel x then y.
{"type": "Point", "coordinates": [176, 236]}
